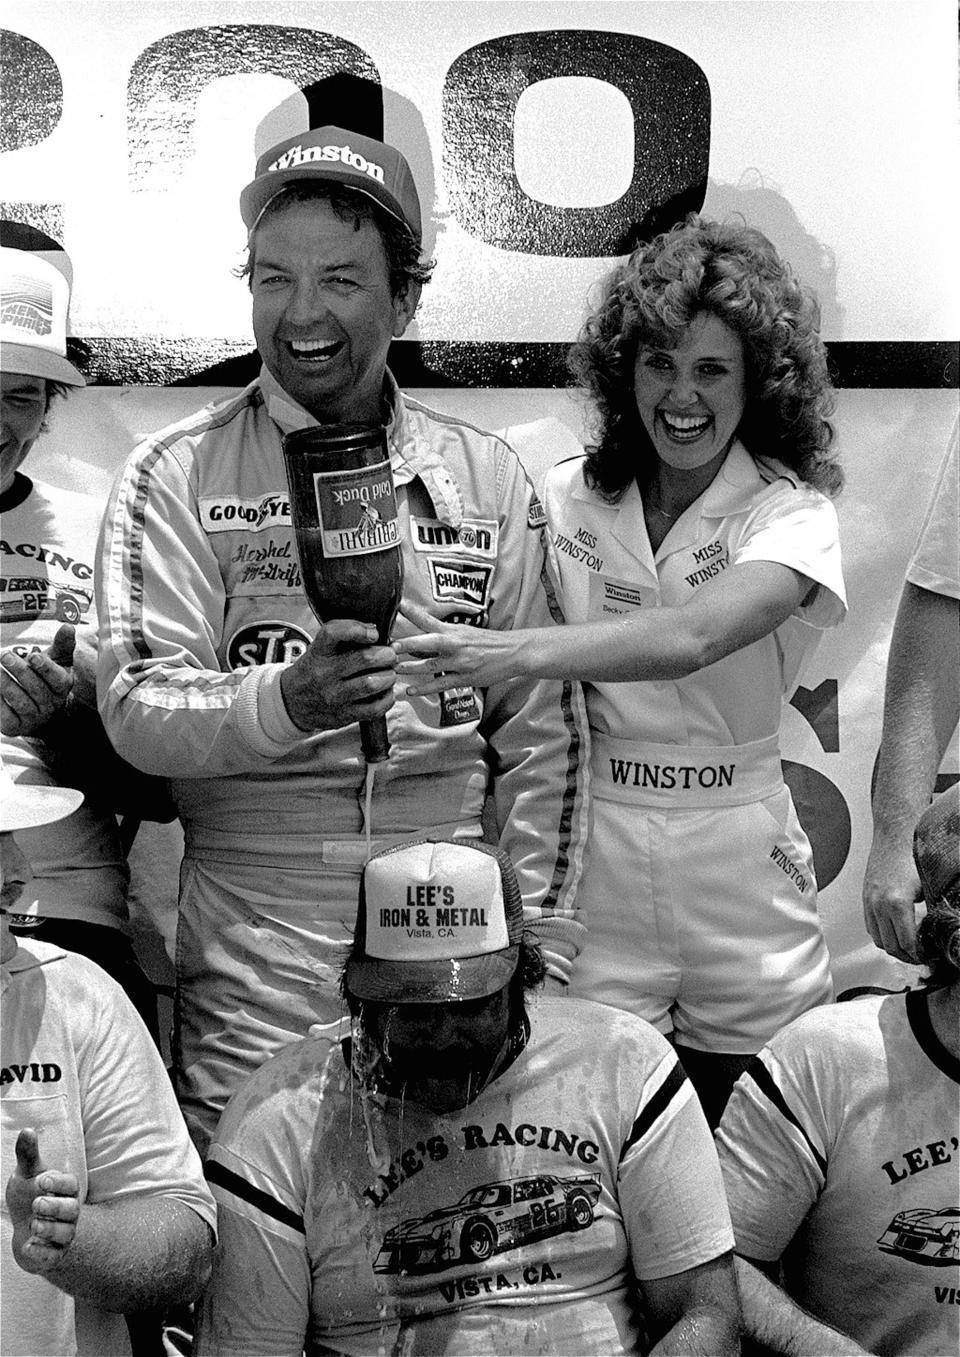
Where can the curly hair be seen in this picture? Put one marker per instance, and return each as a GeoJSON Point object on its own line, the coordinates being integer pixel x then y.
{"type": "Point", "coordinates": [733, 272]}
{"type": "Point", "coordinates": [938, 941]}
{"type": "Point", "coordinates": [399, 243]}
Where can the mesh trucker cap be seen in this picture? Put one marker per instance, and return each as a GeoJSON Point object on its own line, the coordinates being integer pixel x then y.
{"type": "Point", "coordinates": [28, 805]}
{"type": "Point", "coordinates": [349, 158]}
{"type": "Point", "coordinates": [34, 297]}
{"type": "Point", "coordinates": [438, 921]}
{"type": "Point", "coordinates": [936, 846]}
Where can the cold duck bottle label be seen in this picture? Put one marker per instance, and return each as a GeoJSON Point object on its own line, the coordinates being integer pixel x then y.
{"type": "Point", "coordinates": [344, 510]}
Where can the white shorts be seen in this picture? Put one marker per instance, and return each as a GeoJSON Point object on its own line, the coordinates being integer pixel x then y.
{"type": "Point", "coordinates": [701, 919]}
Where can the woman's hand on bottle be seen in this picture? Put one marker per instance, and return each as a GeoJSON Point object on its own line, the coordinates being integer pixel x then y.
{"type": "Point", "coordinates": [447, 655]}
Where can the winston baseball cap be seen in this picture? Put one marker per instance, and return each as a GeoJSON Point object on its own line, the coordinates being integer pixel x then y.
{"type": "Point", "coordinates": [29, 805]}
{"type": "Point", "coordinates": [349, 158]}
{"type": "Point", "coordinates": [34, 297]}
{"type": "Point", "coordinates": [439, 921]}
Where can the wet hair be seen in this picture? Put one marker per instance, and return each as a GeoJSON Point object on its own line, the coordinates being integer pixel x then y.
{"type": "Point", "coordinates": [404, 262]}
{"type": "Point", "coordinates": [733, 272]}
{"type": "Point", "coordinates": [938, 940]}
{"type": "Point", "coordinates": [530, 974]}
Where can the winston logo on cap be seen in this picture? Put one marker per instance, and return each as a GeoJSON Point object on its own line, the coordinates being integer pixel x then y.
{"type": "Point", "coordinates": [300, 155]}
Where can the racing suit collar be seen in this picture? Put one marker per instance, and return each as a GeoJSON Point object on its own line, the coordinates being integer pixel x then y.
{"type": "Point", "coordinates": [411, 455]}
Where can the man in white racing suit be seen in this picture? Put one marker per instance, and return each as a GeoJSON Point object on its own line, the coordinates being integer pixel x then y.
{"type": "Point", "coordinates": [215, 674]}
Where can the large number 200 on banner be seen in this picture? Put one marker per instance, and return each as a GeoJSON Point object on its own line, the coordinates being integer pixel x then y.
{"type": "Point", "coordinates": [545, 140]}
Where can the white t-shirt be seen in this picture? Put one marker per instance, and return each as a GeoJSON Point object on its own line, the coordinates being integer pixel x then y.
{"type": "Point", "coordinates": [79, 1067]}
{"type": "Point", "coordinates": [839, 1149]}
{"type": "Point", "coordinates": [357, 1223]}
{"type": "Point", "coordinates": [750, 512]}
{"type": "Point", "coordinates": [47, 553]}
{"type": "Point", "coordinates": [935, 564]}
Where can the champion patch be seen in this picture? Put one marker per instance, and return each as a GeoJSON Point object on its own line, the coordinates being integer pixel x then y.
{"type": "Point", "coordinates": [477, 537]}
{"type": "Point", "coordinates": [266, 642]}
{"type": "Point", "coordinates": [230, 513]}
{"type": "Point", "coordinates": [460, 581]}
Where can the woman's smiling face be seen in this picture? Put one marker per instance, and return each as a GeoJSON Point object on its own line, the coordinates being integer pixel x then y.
{"type": "Point", "coordinates": [691, 398]}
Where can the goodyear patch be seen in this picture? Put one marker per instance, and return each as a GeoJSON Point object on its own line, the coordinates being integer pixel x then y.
{"type": "Point", "coordinates": [460, 581]}
{"type": "Point", "coordinates": [476, 537]}
{"type": "Point", "coordinates": [265, 642]}
{"type": "Point", "coordinates": [229, 513]}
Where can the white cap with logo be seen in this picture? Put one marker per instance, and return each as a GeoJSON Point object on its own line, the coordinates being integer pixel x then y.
{"type": "Point", "coordinates": [34, 297]}
{"type": "Point", "coordinates": [438, 922]}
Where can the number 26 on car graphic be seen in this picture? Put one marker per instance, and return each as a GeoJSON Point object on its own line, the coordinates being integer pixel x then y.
{"type": "Point", "coordinates": [489, 1219]}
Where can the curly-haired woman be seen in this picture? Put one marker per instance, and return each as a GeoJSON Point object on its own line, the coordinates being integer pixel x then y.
{"type": "Point", "coordinates": [699, 562]}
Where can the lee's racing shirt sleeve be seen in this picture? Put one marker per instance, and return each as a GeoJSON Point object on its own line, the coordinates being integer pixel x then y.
{"type": "Point", "coordinates": [262, 1245]}
{"type": "Point", "coordinates": [670, 1189]}
{"type": "Point", "coordinates": [537, 736]}
{"type": "Point", "coordinates": [773, 1145]}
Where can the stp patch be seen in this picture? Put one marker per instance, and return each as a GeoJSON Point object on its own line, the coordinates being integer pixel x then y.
{"type": "Point", "coordinates": [266, 642]}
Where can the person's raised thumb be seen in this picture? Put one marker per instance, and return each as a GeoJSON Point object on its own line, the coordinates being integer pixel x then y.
{"type": "Point", "coordinates": [29, 1163]}
{"type": "Point", "coordinates": [61, 649]}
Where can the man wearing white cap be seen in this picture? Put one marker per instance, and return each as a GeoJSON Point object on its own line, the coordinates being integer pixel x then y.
{"type": "Point", "coordinates": [106, 1211]}
{"type": "Point", "coordinates": [50, 727]}
{"type": "Point", "coordinates": [469, 1172]}
{"type": "Point", "coordinates": [214, 672]}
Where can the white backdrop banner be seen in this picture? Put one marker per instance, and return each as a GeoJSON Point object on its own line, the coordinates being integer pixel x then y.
{"type": "Point", "coordinates": [544, 138]}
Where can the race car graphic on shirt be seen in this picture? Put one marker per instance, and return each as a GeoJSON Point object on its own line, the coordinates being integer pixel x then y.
{"type": "Point", "coordinates": [489, 1219]}
{"type": "Point", "coordinates": [930, 1237]}
{"type": "Point", "coordinates": [24, 597]}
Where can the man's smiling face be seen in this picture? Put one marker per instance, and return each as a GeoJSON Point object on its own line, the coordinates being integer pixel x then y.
{"type": "Point", "coordinates": [323, 313]}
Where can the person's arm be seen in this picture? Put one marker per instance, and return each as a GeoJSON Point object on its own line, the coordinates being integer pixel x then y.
{"type": "Point", "coordinates": [921, 709]}
{"type": "Point", "coordinates": [739, 606]}
{"type": "Point", "coordinates": [134, 1254]}
{"type": "Point", "coordinates": [167, 706]}
{"type": "Point", "coordinates": [772, 1319]}
{"type": "Point", "coordinates": [694, 1313]}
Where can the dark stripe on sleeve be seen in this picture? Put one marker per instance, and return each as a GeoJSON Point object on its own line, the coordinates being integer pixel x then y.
{"type": "Point", "coordinates": [657, 1105]}
{"type": "Point", "coordinates": [761, 1076]}
{"type": "Point", "coordinates": [918, 1016]}
{"type": "Point", "coordinates": [216, 1173]}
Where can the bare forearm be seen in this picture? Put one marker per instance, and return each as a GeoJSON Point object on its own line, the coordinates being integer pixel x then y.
{"type": "Point", "coordinates": [921, 708]}
{"type": "Point", "coordinates": [136, 1255]}
{"type": "Point", "coordinates": [706, 1331]}
{"type": "Point", "coordinates": [772, 1319]}
{"type": "Point", "coordinates": [659, 645]}
{"type": "Point", "coordinates": [725, 615]}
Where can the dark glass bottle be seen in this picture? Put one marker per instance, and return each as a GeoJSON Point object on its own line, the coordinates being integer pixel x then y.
{"type": "Point", "coordinates": [344, 510]}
